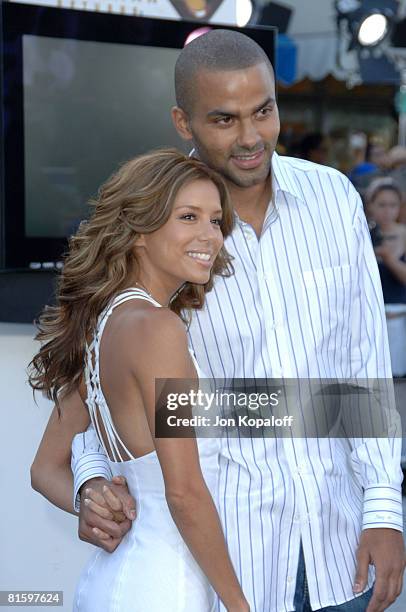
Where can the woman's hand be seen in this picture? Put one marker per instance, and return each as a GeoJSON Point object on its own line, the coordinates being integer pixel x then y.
{"type": "Point", "coordinates": [112, 503]}
{"type": "Point", "coordinates": [106, 512]}
{"type": "Point", "coordinates": [385, 253]}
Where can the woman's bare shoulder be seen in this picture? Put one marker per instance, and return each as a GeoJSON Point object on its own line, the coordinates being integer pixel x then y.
{"type": "Point", "coordinates": [145, 326]}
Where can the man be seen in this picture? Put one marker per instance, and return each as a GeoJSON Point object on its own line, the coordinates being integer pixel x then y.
{"type": "Point", "coordinates": [304, 302]}
{"type": "Point", "coordinates": [314, 147]}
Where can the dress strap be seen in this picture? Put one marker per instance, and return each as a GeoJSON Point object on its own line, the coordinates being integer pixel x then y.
{"type": "Point", "coordinates": [96, 402]}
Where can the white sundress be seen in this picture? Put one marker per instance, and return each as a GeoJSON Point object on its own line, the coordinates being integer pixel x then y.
{"type": "Point", "coordinates": [152, 570]}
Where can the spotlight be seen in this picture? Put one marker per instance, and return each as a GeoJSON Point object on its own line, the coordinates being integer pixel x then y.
{"type": "Point", "coordinates": [244, 10]}
{"type": "Point", "coordinates": [373, 29]}
{"type": "Point", "coordinates": [368, 22]}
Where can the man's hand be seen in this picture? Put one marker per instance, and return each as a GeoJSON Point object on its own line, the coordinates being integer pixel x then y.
{"type": "Point", "coordinates": [383, 548]}
{"type": "Point", "coordinates": [106, 512]}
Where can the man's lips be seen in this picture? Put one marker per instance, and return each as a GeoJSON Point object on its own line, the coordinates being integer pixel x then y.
{"type": "Point", "coordinates": [249, 161]}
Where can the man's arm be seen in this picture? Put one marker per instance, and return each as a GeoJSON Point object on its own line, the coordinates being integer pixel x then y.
{"type": "Point", "coordinates": [376, 460]}
{"type": "Point", "coordinates": [88, 461]}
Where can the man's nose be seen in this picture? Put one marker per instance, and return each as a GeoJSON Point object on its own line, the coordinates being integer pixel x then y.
{"type": "Point", "coordinates": [248, 137]}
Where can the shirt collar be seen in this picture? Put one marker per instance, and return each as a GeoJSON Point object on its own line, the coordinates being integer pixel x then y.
{"type": "Point", "coordinates": [283, 179]}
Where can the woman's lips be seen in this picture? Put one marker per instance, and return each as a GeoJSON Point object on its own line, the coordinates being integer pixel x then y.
{"type": "Point", "coordinates": [205, 263]}
{"type": "Point", "coordinates": [247, 162]}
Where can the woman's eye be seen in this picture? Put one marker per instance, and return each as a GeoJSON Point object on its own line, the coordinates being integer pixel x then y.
{"type": "Point", "coordinates": [217, 222]}
{"type": "Point", "coordinates": [188, 216]}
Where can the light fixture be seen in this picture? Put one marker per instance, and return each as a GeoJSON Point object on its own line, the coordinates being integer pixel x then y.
{"type": "Point", "coordinates": [373, 29]}
{"type": "Point", "coordinates": [243, 10]}
{"type": "Point", "coordinates": [368, 22]}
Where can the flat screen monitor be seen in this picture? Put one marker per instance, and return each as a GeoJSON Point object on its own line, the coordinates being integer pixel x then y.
{"type": "Point", "coordinates": [82, 92]}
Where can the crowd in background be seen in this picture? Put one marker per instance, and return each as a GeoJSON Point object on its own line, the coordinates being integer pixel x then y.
{"type": "Point", "coordinates": [379, 175]}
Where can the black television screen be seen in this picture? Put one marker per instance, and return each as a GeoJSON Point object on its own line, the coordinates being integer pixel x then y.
{"type": "Point", "coordinates": [81, 93]}
{"type": "Point", "coordinates": [102, 104]}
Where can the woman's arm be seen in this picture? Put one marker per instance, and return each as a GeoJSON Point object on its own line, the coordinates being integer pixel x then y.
{"type": "Point", "coordinates": [396, 266]}
{"type": "Point", "coordinates": [164, 355]}
{"type": "Point", "coordinates": [51, 474]}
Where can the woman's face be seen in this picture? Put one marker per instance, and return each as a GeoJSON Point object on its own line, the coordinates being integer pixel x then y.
{"type": "Point", "coordinates": [184, 249]}
{"type": "Point", "coordinates": [385, 207]}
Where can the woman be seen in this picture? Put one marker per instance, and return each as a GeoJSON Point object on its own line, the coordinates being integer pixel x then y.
{"type": "Point", "coordinates": [384, 199]}
{"type": "Point", "coordinates": [147, 255]}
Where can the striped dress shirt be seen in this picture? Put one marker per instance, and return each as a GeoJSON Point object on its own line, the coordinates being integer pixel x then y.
{"type": "Point", "coordinates": [305, 302]}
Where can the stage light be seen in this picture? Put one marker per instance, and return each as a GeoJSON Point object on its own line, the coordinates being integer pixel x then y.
{"type": "Point", "coordinates": [368, 22]}
{"type": "Point", "coordinates": [244, 10]}
{"type": "Point", "coordinates": [373, 30]}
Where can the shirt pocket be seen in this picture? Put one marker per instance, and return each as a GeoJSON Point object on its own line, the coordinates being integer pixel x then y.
{"type": "Point", "coordinates": [327, 293]}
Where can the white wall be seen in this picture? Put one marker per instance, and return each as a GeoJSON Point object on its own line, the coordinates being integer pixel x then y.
{"type": "Point", "coordinates": [39, 547]}
{"type": "Point", "coordinates": [311, 16]}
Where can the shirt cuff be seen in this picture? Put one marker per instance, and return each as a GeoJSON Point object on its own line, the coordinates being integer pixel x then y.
{"type": "Point", "coordinates": [91, 465]}
{"type": "Point", "coordinates": [383, 507]}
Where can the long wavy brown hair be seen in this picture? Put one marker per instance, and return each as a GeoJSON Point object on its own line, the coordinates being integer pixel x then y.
{"type": "Point", "coordinates": [101, 261]}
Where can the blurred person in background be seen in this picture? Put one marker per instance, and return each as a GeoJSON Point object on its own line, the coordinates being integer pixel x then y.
{"type": "Point", "coordinates": [383, 201]}
{"type": "Point", "coordinates": [314, 148]}
{"type": "Point", "coordinates": [369, 160]}
{"type": "Point", "coordinates": [396, 161]}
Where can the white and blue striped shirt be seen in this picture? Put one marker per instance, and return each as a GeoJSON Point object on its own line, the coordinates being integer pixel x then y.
{"type": "Point", "coordinates": [305, 302]}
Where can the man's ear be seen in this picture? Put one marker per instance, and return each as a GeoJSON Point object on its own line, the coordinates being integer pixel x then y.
{"type": "Point", "coordinates": [181, 123]}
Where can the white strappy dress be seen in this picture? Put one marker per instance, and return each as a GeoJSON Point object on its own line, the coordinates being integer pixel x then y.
{"type": "Point", "coordinates": [152, 570]}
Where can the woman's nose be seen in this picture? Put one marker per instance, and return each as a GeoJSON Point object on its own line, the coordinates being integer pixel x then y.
{"type": "Point", "coordinates": [209, 231]}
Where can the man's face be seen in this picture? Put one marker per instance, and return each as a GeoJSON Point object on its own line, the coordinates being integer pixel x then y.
{"type": "Point", "coordinates": [235, 122]}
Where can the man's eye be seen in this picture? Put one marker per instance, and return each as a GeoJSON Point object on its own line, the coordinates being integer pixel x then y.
{"type": "Point", "coordinates": [224, 120]}
{"type": "Point", "coordinates": [264, 112]}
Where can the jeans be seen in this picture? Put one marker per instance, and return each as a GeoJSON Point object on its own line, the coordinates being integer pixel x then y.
{"type": "Point", "coordinates": [302, 602]}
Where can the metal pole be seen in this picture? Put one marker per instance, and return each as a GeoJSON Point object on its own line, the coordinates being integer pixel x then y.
{"type": "Point", "coordinates": [402, 109]}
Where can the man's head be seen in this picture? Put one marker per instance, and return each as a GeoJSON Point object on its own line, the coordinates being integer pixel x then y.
{"type": "Point", "coordinates": [314, 148]}
{"type": "Point", "coordinates": [225, 93]}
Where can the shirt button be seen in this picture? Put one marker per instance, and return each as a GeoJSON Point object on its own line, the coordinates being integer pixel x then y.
{"type": "Point", "coordinates": [289, 579]}
{"type": "Point", "coordinates": [248, 236]}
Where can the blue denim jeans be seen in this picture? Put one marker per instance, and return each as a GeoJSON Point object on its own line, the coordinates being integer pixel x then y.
{"type": "Point", "coordinates": [302, 602]}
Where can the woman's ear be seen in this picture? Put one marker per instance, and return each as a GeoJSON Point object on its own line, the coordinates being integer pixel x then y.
{"type": "Point", "coordinates": [140, 241]}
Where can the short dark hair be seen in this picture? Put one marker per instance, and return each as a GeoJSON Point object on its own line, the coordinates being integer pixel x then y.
{"type": "Point", "coordinates": [310, 142]}
{"type": "Point", "coordinates": [217, 50]}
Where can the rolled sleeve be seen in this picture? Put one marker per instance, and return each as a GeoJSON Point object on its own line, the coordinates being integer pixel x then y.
{"type": "Point", "coordinates": [382, 507]}
{"type": "Point", "coordinates": [88, 461]}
